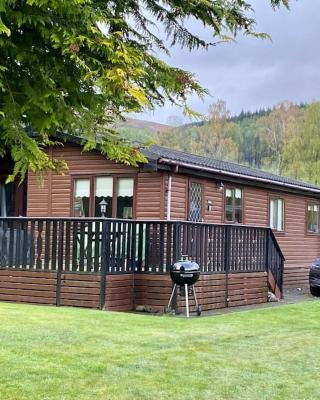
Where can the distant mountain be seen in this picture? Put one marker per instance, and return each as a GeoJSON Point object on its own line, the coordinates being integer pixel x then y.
{"type": "Point", "coordinates": [142, 125]}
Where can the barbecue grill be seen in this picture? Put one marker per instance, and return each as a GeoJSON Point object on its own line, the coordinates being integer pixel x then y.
{"type": "Point", "coordinates": [185, 273]}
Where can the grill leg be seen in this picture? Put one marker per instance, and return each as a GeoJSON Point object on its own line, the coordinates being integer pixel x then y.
{"type": "Point", "coordinates": [171, 297]}
{"type": "Point", "coordinates": [187, 299]}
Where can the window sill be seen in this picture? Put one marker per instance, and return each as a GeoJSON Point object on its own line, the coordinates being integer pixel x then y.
{"type": "Point", "coordinates": [276, 232]}
{"type": "Point", "coordinates": [312, 233]}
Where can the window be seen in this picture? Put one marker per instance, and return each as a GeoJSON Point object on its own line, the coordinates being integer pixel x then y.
{"type": "Point", "coordinates": [81, 198]}
{"type": "Point", "coordinates": [103, 190]}
{"type": "Point", "coordinates": [195, 202]}
{"type": "Point", "coordinates": [116, 191]}
{"type": "Point", "coordinates": [313, 218]}
{"type": "Point", "coordinates": [13, 200]}
{"type": "Point", "coordinates": [125, 198]}
{"type": "Point", "coordinates": [276, 214]}
{"type": "Point", "coordinates": [233, 202]}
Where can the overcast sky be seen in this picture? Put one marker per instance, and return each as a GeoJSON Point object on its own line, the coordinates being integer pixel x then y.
{"type": "Point", "coordinates": [255, 73]}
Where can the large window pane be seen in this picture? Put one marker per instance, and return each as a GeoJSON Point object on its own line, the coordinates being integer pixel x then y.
{"type": "Point", "coordinates": [81, 198]}
{"type": "Point", "coordinates": [280, 216]}
{"type": "Point", "coordinates": [276, 214]}
{"type": "Point", "coordinates": [233, 205]}
{"type": "Point", "coordinates": [272, 214]}
{"type": "Point", "coordinates": [103, 191]}
{"type": "Point", "coordinates": [229, 197]}
{"type": "Point", "coordinates": [125, 198]}
{"type": "Point", "coordinates": [313, 218]}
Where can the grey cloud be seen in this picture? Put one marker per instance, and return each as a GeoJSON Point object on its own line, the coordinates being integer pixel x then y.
{"type": "Point", "coordinates": [253, 73]}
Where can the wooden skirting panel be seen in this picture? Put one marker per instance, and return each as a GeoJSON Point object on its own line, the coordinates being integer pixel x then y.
{"type": "Point", "coordinates": [119, 292]}
{"type": "Point", "coordinates": [80, 290]}
{"type": "Point", "coordinates": [28, 286]}
{"type": "Point", "coordinates": [212, 292]}
{"type": "Point", "coordinates": [152, 290]}
{"type": "Point", "coordinates": [127, 291]}
{"type": "Point", "coordinates": [247, 288]}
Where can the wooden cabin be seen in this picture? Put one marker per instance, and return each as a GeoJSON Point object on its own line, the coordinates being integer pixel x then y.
{"type": "Point", "coordinates": [181, 186]}
{"type": "Point", "coordinates": [172, 186]}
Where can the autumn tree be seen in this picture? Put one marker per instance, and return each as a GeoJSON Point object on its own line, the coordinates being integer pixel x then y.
{"type": "Point", "coordinates": [217, 139]}
{"type": "Point", "coordinates": [274, 130]}
{"type": "Point", "coordinates": [301, 153]}
{"type": "Point", "coordinates": [75, 66]}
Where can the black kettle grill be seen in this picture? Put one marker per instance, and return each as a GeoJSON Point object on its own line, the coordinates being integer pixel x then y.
{"type": "Point", "coordinates": [185, 273]}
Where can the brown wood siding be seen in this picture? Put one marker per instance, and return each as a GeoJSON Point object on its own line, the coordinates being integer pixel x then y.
{"type": "Point", "coordinates": [53, 197]}
{"type": "Point", "coordinates": [211, 192]}
{"type": "Point", "coordinates": [298, 247]}
{"type": "Point", "coordinates": [150, 196]}
{"type": "Point", "coordinates": [179, 195]}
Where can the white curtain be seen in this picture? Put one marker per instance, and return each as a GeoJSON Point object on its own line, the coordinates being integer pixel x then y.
{"type": "Point", "coordinates": [125, 187]}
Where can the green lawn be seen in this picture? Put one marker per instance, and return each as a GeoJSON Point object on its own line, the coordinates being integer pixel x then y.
{"type": "Point", "coordinates": [69, 353]}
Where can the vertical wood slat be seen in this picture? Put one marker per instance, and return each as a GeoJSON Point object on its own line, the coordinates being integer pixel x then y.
{"type": "Point", "coordinates": [25, 247]}
{"type": "Point", "coordinates": [161, 248]}
{"type": "Point", "coordinates": [47, 242]}
{"type": "Point", "coordinates": [134, 247]}
{"type": "Point", "coordinates": [3, 245]}
{"type": "Point", "coordinates": [67, 246]}
{"type": "Point", "coordinates": [127, 258]}
{"type": "Point", "coordinates": [17, 261]}
{"type": "Point", "coordinates": [81, 240]}
{"type": "Point", "coordinates": [60, 260]}
{"type": "Point", "coordinates": [140, 246]}
{"type": "Point", "coordinates": [11, 244]}
{"type": "Point", "coordinates": [96, 241]}
{"type": "Point", "coordinates": [74, 262]}
{"type": "Point", "coordinates": [88, 254]}
{"type": "Point", "coordinates": [32, 245]}
{"type": "Point", "coordinates": [39, 245]}
{"type": "Point", "coordinates": [54, 244]}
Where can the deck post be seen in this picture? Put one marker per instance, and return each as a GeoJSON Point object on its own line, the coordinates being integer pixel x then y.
{"type": "Point", "coordinates": [227, 238]}
{"type": "Point", "coordinates": [105, 257]}
{"type": "Point", "coordinates": [60, 262]}
{"type": "Point", "coordinates": [267, 251]}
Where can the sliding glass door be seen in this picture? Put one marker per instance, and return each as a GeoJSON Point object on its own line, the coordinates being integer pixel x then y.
{"type": "Point", "coordinates": [12, 199]}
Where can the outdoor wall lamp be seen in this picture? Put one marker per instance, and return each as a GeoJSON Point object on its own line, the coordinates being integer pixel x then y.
{"type": "Point", "coordinates": [210, 205]}
{"type": "Point", "coordinates": [220, 185]}
{"type": "Point", "coordinates": [103, 207]}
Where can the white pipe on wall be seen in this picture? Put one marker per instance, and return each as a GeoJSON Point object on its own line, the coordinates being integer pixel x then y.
{"type": "Point", "coordinates": [169, 191]}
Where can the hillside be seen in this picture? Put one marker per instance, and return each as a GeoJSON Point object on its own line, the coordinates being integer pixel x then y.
{"type": "Point", "coordinates": [284, 140]}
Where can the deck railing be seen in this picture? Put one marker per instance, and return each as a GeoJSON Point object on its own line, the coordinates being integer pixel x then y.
{"type": "Point", "coordinates": [113, 246]}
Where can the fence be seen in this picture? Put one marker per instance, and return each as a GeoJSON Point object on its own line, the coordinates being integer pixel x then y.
{"type": "Point", "coordinates": [111, 246]}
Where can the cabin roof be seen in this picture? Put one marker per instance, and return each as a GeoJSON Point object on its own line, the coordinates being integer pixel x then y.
{"type": "Point", "coordinates": [164, 155]}
{"type": "Point", "coordinates": [160, 155]}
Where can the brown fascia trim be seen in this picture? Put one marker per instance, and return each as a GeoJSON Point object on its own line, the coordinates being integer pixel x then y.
{"type": "Point", "coordinates": [235, 175]}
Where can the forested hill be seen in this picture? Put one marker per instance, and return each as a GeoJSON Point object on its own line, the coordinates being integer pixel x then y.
{"type": "Point", "coordinates": [284, 140]}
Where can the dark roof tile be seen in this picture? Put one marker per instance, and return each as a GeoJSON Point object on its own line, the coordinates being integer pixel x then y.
{"type": "Point", "coordinates": [157, 152]}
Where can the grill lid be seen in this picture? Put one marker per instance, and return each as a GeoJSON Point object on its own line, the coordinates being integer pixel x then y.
{"type": "Point", "coordinates": [185, 266]}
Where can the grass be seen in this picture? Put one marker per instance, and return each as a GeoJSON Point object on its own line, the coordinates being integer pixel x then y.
{"type": "Point", "coordinates": [67, 353]}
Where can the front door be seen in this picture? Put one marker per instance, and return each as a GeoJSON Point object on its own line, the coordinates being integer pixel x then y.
{"type": "Point", "coordinates": [12, 198]}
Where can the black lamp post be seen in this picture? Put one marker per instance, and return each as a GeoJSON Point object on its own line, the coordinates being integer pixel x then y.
{"type": "Point", "coordinates": [103, 207]}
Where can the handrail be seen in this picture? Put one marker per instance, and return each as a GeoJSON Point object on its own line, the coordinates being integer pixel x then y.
{"type": "Point", "coordinates": [140, 221]}
{"type": "Point", "coordinates": [275, 242]}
